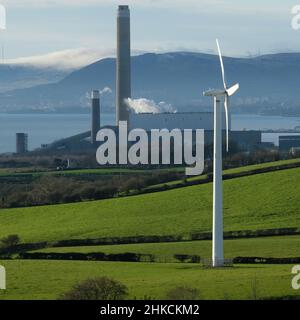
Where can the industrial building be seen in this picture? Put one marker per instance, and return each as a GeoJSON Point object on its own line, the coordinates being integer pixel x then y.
{"type": "Point", "coordinates": [286, 143]}
{"type": "Point", "coordinates": [21, 143]}
{"type": "Point", "coordinates": [170, 121]}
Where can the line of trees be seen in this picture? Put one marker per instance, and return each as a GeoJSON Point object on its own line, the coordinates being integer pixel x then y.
{"type": "Point", "coordinates": [55, 190]}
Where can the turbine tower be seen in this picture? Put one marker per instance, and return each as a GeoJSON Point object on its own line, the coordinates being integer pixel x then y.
{"type": "Point", "coordinates": [217, 95]}
{"type": "Point", "coordinates": [123, 85]}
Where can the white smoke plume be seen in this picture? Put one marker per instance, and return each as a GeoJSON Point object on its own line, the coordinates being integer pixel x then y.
{"type": "Point", "coordinates": [106, 90]}
{"type": "Point", "coordinates": [143, 105]}
{"type": "Point", "coordinates": [88, 95]}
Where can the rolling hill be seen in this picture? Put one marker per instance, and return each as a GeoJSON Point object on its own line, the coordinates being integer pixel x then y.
{"type": "Point", "coordinates": [261, 201]}
{"type": "Point", "coordinates": [266, 200]}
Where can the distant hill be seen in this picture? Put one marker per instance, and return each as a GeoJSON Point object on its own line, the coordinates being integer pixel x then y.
{"type": "Point", "coordinates": [269, 84]}
{"type": "Point", "coordinates": [16, 76]}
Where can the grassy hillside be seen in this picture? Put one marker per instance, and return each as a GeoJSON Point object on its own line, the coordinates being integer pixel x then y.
{"type": "Point", "coordinates": [268, 247]}
{"type": "Point", "coordinates": [244, 169]}
{"type": "Point", "coordinates": [261, 201]}
{"type": "Point", "coordinates": [48, 279]}
{"type": "Point", "coordinates": [263, 165]}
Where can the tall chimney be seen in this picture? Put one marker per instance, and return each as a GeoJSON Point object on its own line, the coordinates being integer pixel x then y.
{"type": "Point", "coordinates": [123, 85]}
{"type": "Point", "coordinates": [21, 143]}
{"type": "Point", "coordinates": [95, 115]}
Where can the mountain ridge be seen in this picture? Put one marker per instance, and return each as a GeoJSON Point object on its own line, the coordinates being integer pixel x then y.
{"type": "Point", "coordinates": [269, 83]}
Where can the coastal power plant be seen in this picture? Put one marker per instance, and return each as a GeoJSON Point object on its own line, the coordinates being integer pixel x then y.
{"type": "Point", "coordinates": [86, 141]}
{"type": "Point", "coordinates": [123, 67]}
{"type": "Point", "coordinates": [145, 121]}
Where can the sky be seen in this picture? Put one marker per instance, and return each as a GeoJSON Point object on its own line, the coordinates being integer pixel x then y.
{"type": "Point", "coordinates": [75, 32]}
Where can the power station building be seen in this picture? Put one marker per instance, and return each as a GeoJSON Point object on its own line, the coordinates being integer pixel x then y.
{"type": "Point", "coordinates": [178, 120]}
{"type": "Point", "coordinates": [247, 140]}
{"type": "Point", "coordinates": [286, 143]}
{"type": "Point", "coordinates": [146, 121]}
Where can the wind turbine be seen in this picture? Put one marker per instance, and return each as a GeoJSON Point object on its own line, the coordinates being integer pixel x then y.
{"type": "Point", "coordinates": [218, 94]}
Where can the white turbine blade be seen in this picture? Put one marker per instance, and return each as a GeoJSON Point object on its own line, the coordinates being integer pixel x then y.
{"type": "Point", "coordinates": [2, 17]}
{"type": "Point", "coordinates": [226, 105]}
{"type": "Point", "coordinates": [232, 90]}
{"type": "Point", "coordinates": [222, 64]}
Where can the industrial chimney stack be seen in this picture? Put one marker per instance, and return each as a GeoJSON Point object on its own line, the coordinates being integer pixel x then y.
{"type": "Point", "coordinates": [123, 85]}
{"type": "Point", "coordinates": [21, 143]}
{"type": "Point", "coordinates": [95, 115]}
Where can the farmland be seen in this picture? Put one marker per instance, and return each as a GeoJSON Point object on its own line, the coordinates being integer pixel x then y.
{"type": "Point", "coordinates": [255, 202]}
{"type": "Point", "coordinates": [268, 247]}
{"type": "Point", "coordinates": [49, 279]}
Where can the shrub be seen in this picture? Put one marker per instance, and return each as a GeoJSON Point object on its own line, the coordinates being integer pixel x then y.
{"type": "Point", "coordinates": [88, 192]}
{"type": "Point", "coordinates": [195, 259]}
{"type": "Point", "coordinates": [10, 241]}
{"type": "Point", "coordinates": [181, 257]}
{"type": "Point", "coordinates": [102, 288]}
{"type": "Point", "coordinates": [183, 293]}
{"type": "Point", "coordinates": [73, 197]}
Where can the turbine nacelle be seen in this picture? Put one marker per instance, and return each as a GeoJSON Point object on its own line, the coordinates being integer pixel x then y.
{"type": "Point", "coordinates": [221, 92]}
{"type": "Point", "coordinates": [214, 93]}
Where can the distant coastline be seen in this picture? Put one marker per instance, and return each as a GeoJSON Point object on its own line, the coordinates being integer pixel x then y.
{"type": "Point", "coordinates": [43, 128]}
{"type": "Point", "coordinates": [87, 111]}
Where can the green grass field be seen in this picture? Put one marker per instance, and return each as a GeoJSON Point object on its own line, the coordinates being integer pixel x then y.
{"type": "Point", "coordinates": [49, 279]}
{"type": "Point", "coordinates": [261, 201]}
{"type": "Point", "coordinates": [268, 247]}
{"type": "Point", "coordinates": [263, 165]}
{"type": "Point", "coordinates": [238, 170]}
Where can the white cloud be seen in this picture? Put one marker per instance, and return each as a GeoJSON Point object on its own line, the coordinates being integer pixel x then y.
{"type": "Point", "coordinates": [66, 59]}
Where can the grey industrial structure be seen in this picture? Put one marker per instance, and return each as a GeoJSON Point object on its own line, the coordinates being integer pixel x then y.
{"type": "Point", "coordinates": [95, 115]}
{"type": "Point", "coordinates": [246, 140]}
{"type": "Point", "coordinates": [21, 143]}
{"type": "Point", "coordinates": [178, 120]}
{"type": "Point", "coordinates": [286, 143]}
{"type": "Point", "coordinates": [123, 84]}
